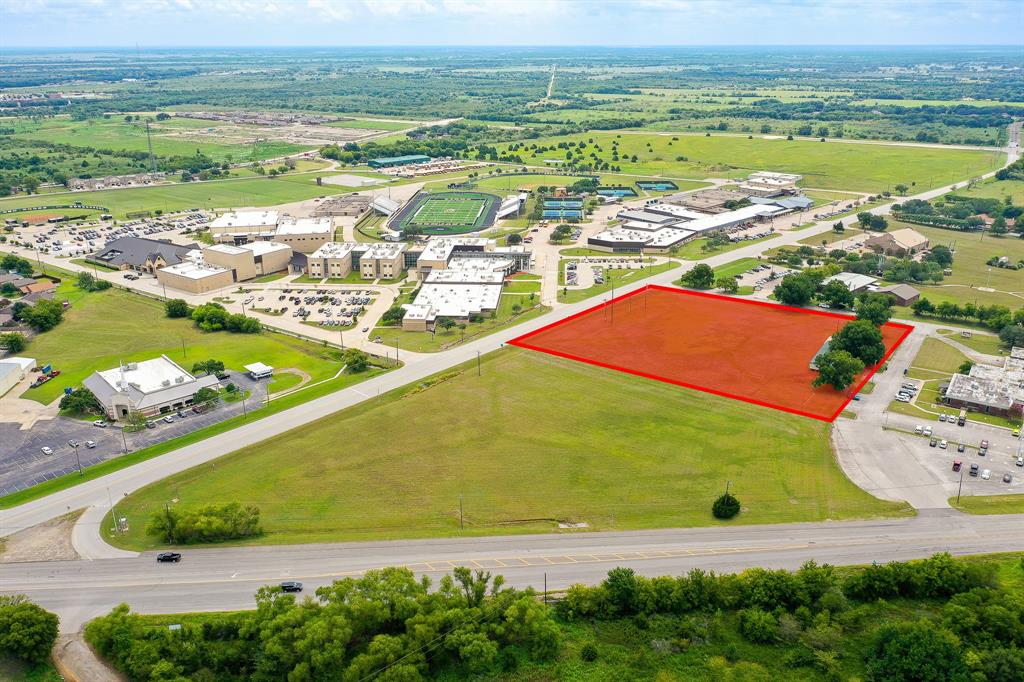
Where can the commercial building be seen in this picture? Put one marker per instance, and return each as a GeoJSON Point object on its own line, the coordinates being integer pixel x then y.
{"type": "Point", "coordinates": [150, 387]}
{"type": "Point", "coordinates": [904, 294]}
{"type": "Point", "coordinates": [140, 254]}
{"type": "Point", "coordinates": [854, 282]}
{"type": "Point", "coordinates": [392, 161]}
{"type": "Point", "coordinates": [244, 226]}
{"type": "Point", "coordinates": [304, 235]}
{"type": "Point", "coordinates": [13, 370]}
{"type": "Point", "coordinates": [766, 184]}
{"type": "Point", "coordinates": [335, 260]}
{"type": "Point", "coordinates": [382, 261]}
{"type": "Point", "coordinates": [221, 265]}
{"type": "Point", "coordinates": [989, 388]}
{"type": "Point", "coordinates": [905, 242]}
{"type": "Point", "coordinates": [705, 201]}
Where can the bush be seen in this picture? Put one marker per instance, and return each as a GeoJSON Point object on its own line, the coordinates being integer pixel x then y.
{"type": "Point", "coordinates": [209, 523]}
{"type": "Point", "coordinates": [725, 507]}
{"type": "Point", "coordinates": [81, 401]}
{"type": "Point", "coordinates": [27, 631]}
{"type": "Point", "coordinates": [14, 342]}
{"type": "Point", "coordinates": [588, 652]}
{"type": "Point", "coordinates": [915, 651]}
{"type": "Point", "coordinates": [759, 627]}
{"type": "Point", "coordinates": [176, 307]}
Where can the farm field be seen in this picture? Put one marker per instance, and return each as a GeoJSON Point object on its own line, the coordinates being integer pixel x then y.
{"type": "Point", "coordinates": [935, 103]}
{"type": "Point", "coordinates": [629, 454]}
{"type": "Point", "coordinates": [362, 124]}
{"type": "Point", "coordinates": [115, 133]}
{"type": "Point", "coordinates": [102, 329]}
{"type": "Point", "coordinates": [972, 250]}
{"type": "Point", "coordinates": [835, 166]}
{"type": "Point", "coordinates": [175, 197]}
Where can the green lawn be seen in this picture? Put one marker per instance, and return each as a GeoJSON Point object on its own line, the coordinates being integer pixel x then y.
{"type": "Point", "coordinates": [736, 267]}
{"type": "Point", "coordinates": [996, 189]}
{"type": "Point", "coordinates": [969, 269]}
{"type": "Point", "coordinates": [532, 440]}
{"type": "Point", "coordinates": [833, 166]}
{"type": "Point", "coordinates": [989, 344]}
{"type": "Point", "coordinates": [938, 356]}
{"type": "Point", "coordinates": [613, 277]}
{"type": "Point", "coordinates": [102, 329]}
{"type": "Point", "coordinates": [694, 251]}
{"type": "Point", "coordinates": [427, 342]}
{"type": "Point", "coordinates": [990, 504]}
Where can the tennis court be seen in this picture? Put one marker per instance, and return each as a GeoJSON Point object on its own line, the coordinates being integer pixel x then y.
{"type": "Point", "coordinates": [747, 350]}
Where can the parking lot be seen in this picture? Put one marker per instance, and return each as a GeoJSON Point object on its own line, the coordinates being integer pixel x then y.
{"type": "Point", "coordinates": [762, 277]}
{"type": "Point", "coordinates": [72, 241]}
{"type": "Point", "coordinates": [23, 464]}
{"type": "Point", "coordinates": [323, 307]}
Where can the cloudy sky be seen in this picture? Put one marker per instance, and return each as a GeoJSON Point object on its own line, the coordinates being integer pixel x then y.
{"type": "Point", "coordinates": [123, 23]}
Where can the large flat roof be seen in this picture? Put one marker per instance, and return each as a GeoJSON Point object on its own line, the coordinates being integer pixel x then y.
{"type": "Point", "coordinates": [334, 250]}
{"type": "Point", "coordinates": [147, 376]}
{"type": "Point", "coordinates": [193, 270]}
{"type": "Point", "coordinates": [245, 219]}
{"type": "Point", "coordinates": [305, 226]}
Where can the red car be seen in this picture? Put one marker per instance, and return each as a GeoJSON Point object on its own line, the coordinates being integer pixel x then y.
{"type": "Point", "coordinates": [984, 444]}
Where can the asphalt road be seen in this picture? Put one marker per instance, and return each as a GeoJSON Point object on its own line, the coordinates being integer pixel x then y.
{"type": "Point", "coordinates": [225, 579]}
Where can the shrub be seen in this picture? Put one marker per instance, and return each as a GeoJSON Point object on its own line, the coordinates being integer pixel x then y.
{"type": "Point", "coordinates": [725, 507]}
{"type": "Point", "coordinates": [27, 631]}
{"type": "Point", "coordinates": [209, 523]}
{"type": "Point", "coordinates": [176, 307]}
{"type": "Point", "coordinates": [758, 626]}
{"type": "Point", "coordinates": [588, 652]}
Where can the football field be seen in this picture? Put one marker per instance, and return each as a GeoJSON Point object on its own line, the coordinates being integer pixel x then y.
{"type": "Point", "coordinates": [448, 211]}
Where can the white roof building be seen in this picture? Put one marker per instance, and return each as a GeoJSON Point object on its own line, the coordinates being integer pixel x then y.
{"type": "Point", "coordinates": [305, 226]}
{"type": "Point", "coordinates": [195, 270]}
{"type": "Point", "coordinates": [334, 250]}
{"type": "Point", "coordinates": [242, 219]}
{"type": "Point", "coordinates": [149, 387]}
{"type": "Point", "coordinates": [852, 280]}
{"type": "Point", "coordinates": [458, 300]}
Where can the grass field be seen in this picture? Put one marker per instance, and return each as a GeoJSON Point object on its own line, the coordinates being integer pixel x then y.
{"type": "Point", "coordinates": [990, 504]}
{"type": "Point", "coordinates": [114, 133]}
{"type": "Point", "coordinates": [736, 267]}
{"type": "Point", "coordinates": [988, 344]}
{"type": "Point", "coordinates": [996, 189]}
{"type": "Point", "coordinates": [938, 356]}
{"type": "Point", "coordinates": [970, 272]}
{"type": "Point", "coordinates": [836, 166]}
{"type": "Point", "coordinates": [102, 329]}
{"type": "Point", "coordinates": [173, 197]}
{"type": "Point", "coordinates": [447, 212]}
{"type": "Point", "coordinates": [693, 250]}
{"type": "Point", "coordinates": [608, 449]}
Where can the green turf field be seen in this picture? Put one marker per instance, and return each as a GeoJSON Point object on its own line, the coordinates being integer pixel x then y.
{"type": "Point", "coordinates": [448, 212]}
{"type": "Point", "coordinates": [531, 441]}
{"type": "Point", "coordinates": [102, 329]}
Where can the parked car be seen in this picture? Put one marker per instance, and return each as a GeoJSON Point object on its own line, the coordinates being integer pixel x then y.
{"type": "Point", "coordinates": [168, 557]}
{"type": "Point", "coordinates": [100, 423]}
{"type": "Point", "coordinates": [1007, 478]}
{"type": "Point", "coordinates": [1020, 461]}
{"type": "Point", "coordinates": [982, 452]}
{"type": "Point", "coordinates": [182, 413]}
{"type": "Point", "coordinates": [986, 474]}
{"type": "Point", "coordinates": [927, 430]}
{"type": "Point", "coordinates": [46, 450]}
{"type": "Point", "coordinates": [960, 421]}
{"type": "Point", "coordinates": [72, 443]}
{"type": "Point", "coordinates": [957, 464]}
{"type": "Point", "coordinates": [974, 470]}
{"type": "Point", "coordinates": [90, 444]}
{"type": "Point", "coordinates": [291, 586]}
{"type": "Point", "coordinates": [984, 445]}
{"type": "Point", "coordinates": [150, 424]}
{"type": "Point", "coordinates": [932, 443]}
{"type": "Point", "coordinates": [943, 444]}
{"type": "Point", "coordinates": [942, 417]}
{"type": "Point", "coordinates": [961, 447]}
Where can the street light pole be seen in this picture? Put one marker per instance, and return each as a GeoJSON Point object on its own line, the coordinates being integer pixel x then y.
{"type": "Point", "coordinates": [124, 439]}
{"type": "Point", "coordinates": [77, 460]}
{"type": "Point", "coordinates": [961, 486]}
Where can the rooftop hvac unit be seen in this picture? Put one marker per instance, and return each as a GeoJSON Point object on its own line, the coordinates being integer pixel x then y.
{"type": "Point", "coordinates": [179, 379]}
{"type": "Point", "coordinates": [165, 383]}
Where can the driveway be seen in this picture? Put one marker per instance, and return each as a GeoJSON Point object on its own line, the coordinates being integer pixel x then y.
{"type": "Point", "coordinates": [23, 464]}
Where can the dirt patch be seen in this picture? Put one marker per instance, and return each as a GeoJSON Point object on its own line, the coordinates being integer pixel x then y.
{"type": "Point", "coordinates": [50, 541]}
{"type": "Point", "coordinates": [77, 662]}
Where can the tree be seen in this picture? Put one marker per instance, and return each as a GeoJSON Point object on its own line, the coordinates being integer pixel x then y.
{"type": "Point", "coordinates": [795, 290]}
{"type": "Point", "coordinates": [999, 226]}
{"type": "Point", "coordinates": [14, 342]}
{"type": "Point", "coordinates": [901, 189]}
{"type": "Point", "coordinates": [758, 626]}
{"type": "Point", "coordinates": [837, 368]}
{"type": "Point", "coordinates": [837, 294]}
{"type": "Point", "coordinates": [11, 263]}
{"type": "Point", "coordinates": [874, 311]}
{"type": "Point", "coordinates": [1012, 335]}
{"type": "Point", "coordinates": [208, 367]}
{"type": "Point", "coordinates": [940, 254]}
{"type": "Point", "coordinates": [922, 306]}
{"type": "Point", "coordinates": [43, 316]}
{"type": "Point", "coordinates": [915, 651]}
{"type": "Point", "coordinates": [205, 396]}
{"type": "Point", "coordinates": [355, 360]}
{"type": "Point", "coordinates": [727, 284]}
{"type": "Point", "coordinates": [862, 340]}
{"type": "Point", "coordinates": [514, 239]}
{"type": "Point", "coordinates": [838, 228]}
{"type": "Point", "coordinates": [210, 317]}
{"type": "Point", "coordinates": [27, 631]}
{"type": "Point", "coordinates": [176, 307]}
{"type": "Point", "coordinates": [445, 323]}
{"type": "Point", "coordinates": [726, 506]}
{"type": "Point", "coordinates": [701, 277]}
{"type": "Point", "coordinates": [80, 401]}
{"type": "Point", "coordinates": [965, 367]}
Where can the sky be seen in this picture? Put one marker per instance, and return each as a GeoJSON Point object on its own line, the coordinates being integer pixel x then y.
{"type": "Point", "coordinates": [618, 23]}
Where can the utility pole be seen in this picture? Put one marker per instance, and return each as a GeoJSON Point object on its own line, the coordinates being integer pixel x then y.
{"type": "Point", "coordinates": [478, 363]}
{"type": "Point", "coordinates": [245, 414]}
{"type": "Point", "coordinates": [79, 461]}
{"type": "Point", "coordinates": [124, 439]}
{"type": "Point", "coordinates": [462, 524]}
{"type": "Point", "coordinates": [961, 486]}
